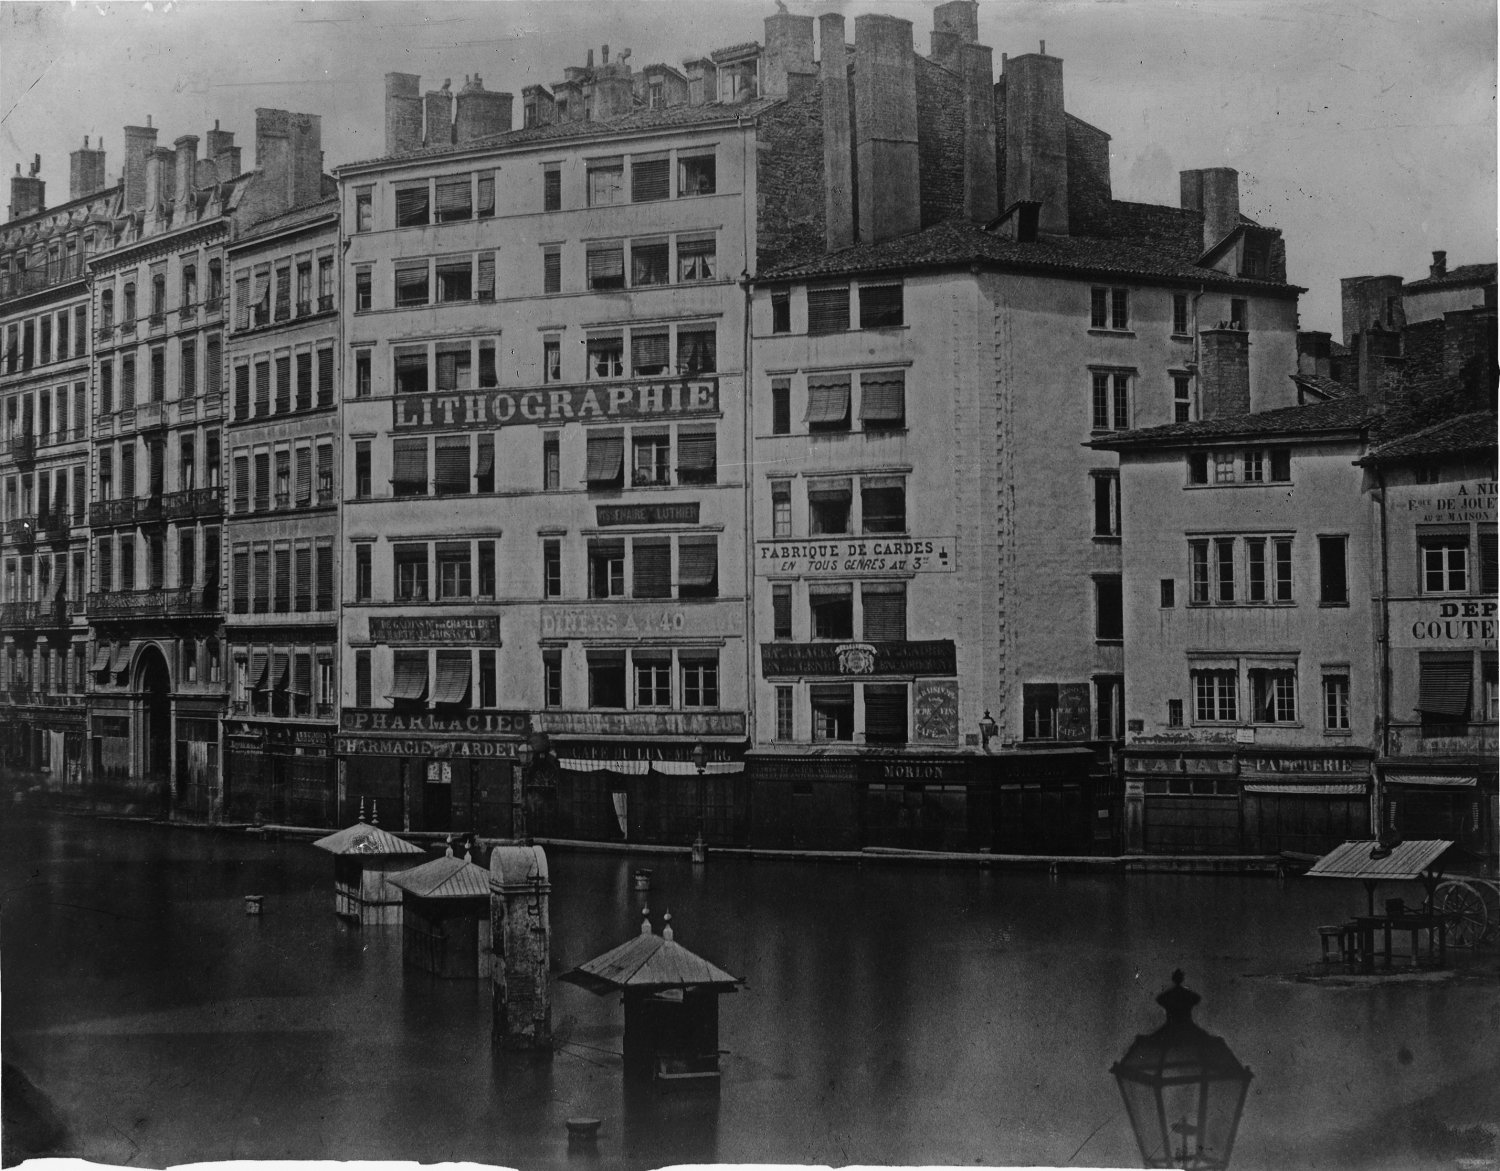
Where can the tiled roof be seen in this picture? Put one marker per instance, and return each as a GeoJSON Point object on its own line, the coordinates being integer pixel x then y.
{"type": "Point", "coordinates": [1325, 387]}
{"type": "Point", "coordinates": [662, 118]}
{"type": "Point", "coordinates": [1465, 435]}
{"type": "Point", "coordinates": [298, 215]}
{"type": "Point", "coordinates": [369, 840]}
{"type": "Point", "coordinates": [444, 878]}
{"type": "Point", "coordinates": [1353, 412]}
{"type": "Point", "coordinates": [649, 961]}
{"type": "Point", "coordinates": [1464, 274]}
{"type": "Point", "coordinates": [1140, 245]}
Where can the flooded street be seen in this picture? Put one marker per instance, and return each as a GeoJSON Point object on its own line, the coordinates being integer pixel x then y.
{"type": "Point", "coordinates": [892, 1014]}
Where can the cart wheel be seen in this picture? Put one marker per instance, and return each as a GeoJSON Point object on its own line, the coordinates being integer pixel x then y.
{"type": "Point", "coordinates": [1489, 890]}
{"type": "Point", "coordinates": [1464, 908]}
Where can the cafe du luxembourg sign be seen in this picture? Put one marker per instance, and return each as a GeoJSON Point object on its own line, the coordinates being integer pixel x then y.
{"type": "Point", "coordinates": [839, 555]}
{"type": "Point", "coordinates": [483, 410]}
{"type": "Point", "coordinates": [780, 659]}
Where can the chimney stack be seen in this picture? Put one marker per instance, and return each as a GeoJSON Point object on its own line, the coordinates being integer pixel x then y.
{"type": "Point", "coordinates": [888, 187]}
{"type": "Point", "coordinates": [1224, 372]}
{"type": "Point", "coordinates": [1215, 191]}
{"type": "Point", "coordinates": [788, 54]}
{"type": "Point", "coordinates": [538, 105]}
{"type": "Point", "coordinates": [159, 185]}
{"type": "Point", "coordinates": [954, 25]}
{"type": "Point", "coordinates": [1439, 264]}
{"type": "Point", "coordinates": [139, 142]}
{"type": "Point", "coordinates": [1370, 301]}
{"type": "Point", "coordinates": [289, 156]}
{"type": "Point", "coordinates": [86, 170]}
{"type": "Point", "coordinates": [187, 166]}
{"type": "Point", "coordinates": [223, 152]}
{"type": "Point", "coordinates": [28, 193]}
{"type": "Point", "coordinates": [403, 113]}
{"type": "Point", "coordinates": [481, 113]}
{"type": "Point", "coordinates": [981, 171]}
{"type": "Point", "coordinates": [838, 171]}
{"type": "Point", "coordinates": [1036, 138]}
{"type": "Point", "coordinates": [439, 120]}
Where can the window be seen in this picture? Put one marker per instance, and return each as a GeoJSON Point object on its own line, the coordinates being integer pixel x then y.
{"type": "Point", "coordinates": [158, 375]}
{"type": "Point", "coordinates": [484, 472]}
{"type": "Point", "coordinates": [781, 310]}
{"type": "Point", "coordinates": [1174, 713]}
{"type": "Point", "coordinates": [781, 508]}
{"type": "Point", "coordinates": [455, 199]}
{"type": "Point", "coordinates": [1197, 462]}
{"type": "Point", "coordinates": [304, 288]}
{"type": "Point", "coordinates": [828, 309]}
{"type": "Point", "coordinates": [606, 679]}
{"type": "Point", "coordinates": [880, 306]}
{"type": "Point", "coordinates": [455, 280]}
{"type": "Point", "coordinates": [696, 259]}
{"type": "Point", "coordinates": [696, 175]}
{"type": "Point", "coordinates": [653, 678]}
{"type": "Point", "coordinates": [453, 570]}
{"type": "Point", "coordinates": [700, 680]}
{"type": "Point", "coordinates": [606, 182]}
{"type": "Point", "coordinates": [363, 281]}
{"type": "Point", "coordinates": [411, 284]}
{"type": "Point", "coordinates": [882, 401]}
{"type": "Point", "coordinates": [1255, 565]}
{"type": "Point", "coordinates": [411, 573]}
{"type": "Point", "coordinates": [1336, 703]}
{"type": "Point", "coordinates": [1109, 609]}
{"type": "Point", "coordinates": [1489, 559]}
{"type": "Point", "coordinates": [1255, 466]}
{"type": "Point", "coordinates": [552, 678]}
{"type": "Point", "coordinates": [1111, 400]}
{"type": "Point", "coordinates": [409, 467]}
{"type": "Point", "coordinates": [1039, 711]}
{"type": "Point", "coordinates": [828, 504]}
{"type": "Point", "coordinates": [697, 457]}
{"type": "Point", "coordinates": [485, 551]}
{"type": "Point", "coordinates": [409, 684]}
{"type": "Point", "coordinates": [1198, 574]}
{"type": "Point", "coordinates": [1280, 459]}
{"type": "Point", "coordinates": [362, 477]}
{"type": "Point", "coordinates": [882, 502]}
{"type": "Point", "coordinates": [831, 609]}
{"type": "Point", "coordinates": [552, 188]}
{"type": "Point", "coordinates": [698, 567]}
{"type": "Point", "coordinates": [651, 559]}
{"type": "Point", "coordinates": [188, 368]}
{"type": "Point", "coordinates": [411, 371]}
{"type": "Point", "coordinates": [262, 480]}
{"type": "Point", "coordinates": [649, 263]}
{"type": "Point", "coordinates": [325, 283]}
{"type": "Point", "coordinates": [1106, 504]}
{"type": "Point", "coordinates": [884, 606]}
{"type": "Point", "coordinates": [1182, 398]}
{"type": "Point", "coordinates": [832, 711]}
{"type": "Point", "coordinates": [363, 579]}
{"type": "Point", "coordinates": [1273, 695]}
{"type": "Point", "coordinates": [283, 384]}
{"type": "Point", "coordinates": [1109, 707]}
{"type": "Point", "coordinates": [650, 352]}
{"type": "Point", "coordinates": [1239, 315]}
{"type": "Point", "coordinates": [606, 357]}
{"type": "Point", "coordinates": [412, 205]}
{"type": "Point", "coordinates": [551, 463]}
{"type": "Point", "coordinates": [827, 402]}
{"type": "Point", "coordinates": [362, 688]}
{"type": "Point", "coordinates": [1445, 560]}
{"type": "Point", "coordinates": [781, 406]}
{"type": "Point", "coordinates": [697, 351]}
{"type": "Point", "coordinates": [606, 568]}
{"type": "Point", "coordinates": [552, 568]}
{"type": "Point", "coordinates": [304, 381]}
{"type": "Point", "coordinates": [781, 611]}
{"type": "Point", "coordinates": [1333, 571]}
{"type": "Point", "coordinates": [885, 713]}
{"type": "Point", "coordinates": [551, 360]}
{"type": "Point", "coordinates": [1445, 689]}
{"type": "Point", "coordinates": [650, 179]}
{"type": "Point", "coordinates": [606, 457]}
{"type": "Point", "coordinates": [1179, 313]}
{"type": "Point", "coordinates": [650, 459]}
{"type": "Point", "coordinates": [1224, 569]}
{"type": "Point", "coordinates": [364, 209]}
{"type": "Point", "coordinates": [455, 366]}
{"type": "Point", "coordinates": [1168, 593]}
{"type": "Point", "coordinates": [1109, 309]}
{"type": "Point", "coordinates": [451, 464]}
{"type": "Point", "coordinates": [1215, 696]}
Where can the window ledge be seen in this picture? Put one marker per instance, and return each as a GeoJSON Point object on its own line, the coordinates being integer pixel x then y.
{"type": "Point", "coordinates": [1109, 642]}
{"type": "Point", "coordinates": [1181, 337]}
{"type": "Point", "coordinates": [1242, 484]}
{"type": "Point", "coordinates": [1333, 605]}
{"type": "Point", "coordinates": [1339, 733]}
{"type": "Point", "coordinates": [1106, 539]}
{"type": "Point", "coordinates": [1102, 331]}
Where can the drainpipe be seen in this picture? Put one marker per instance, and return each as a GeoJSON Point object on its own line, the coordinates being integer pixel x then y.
{"type": "Point", "coordinates": [1384, 682]}
{"type": "Point", "coordinates": [1197, 367]}
{"type": "Point", "coordinates": [747, 430]}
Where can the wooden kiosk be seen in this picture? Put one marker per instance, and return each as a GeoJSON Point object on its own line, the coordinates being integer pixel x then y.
{"type": "Point", "coordinates": [445, 919]}
{"type": "Point", "coordinates": [671, 999]}
{"type": "Point", "coordinates": [364, 858]}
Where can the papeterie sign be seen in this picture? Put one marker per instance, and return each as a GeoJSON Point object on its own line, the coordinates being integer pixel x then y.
{"type": "Point", "coordinates": [841, 555]}
{"type": "Point", "coordinates": [483, 410]}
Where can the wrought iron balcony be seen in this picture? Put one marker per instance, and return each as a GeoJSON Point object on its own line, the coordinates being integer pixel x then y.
{"type": "Point", "coordinates": [148, 509]}
{"type": "Point", "coordinates": [22, 530]}
{"type": "Point", "coordinates": [112, 512]}
{"type": "Point", "coordinates": [20, 447]}
{"type": "Point", "coordinates": [151, 415]}
{"type": "Point", "coordinates": [325, 303]}
{"type": "Point", "coordinates": [55, 526]}
{"type": "Point", "coordinates": [19, 616]}
{"type": "Point", "coordinates": [55, 272]}
{"type": "Point", "coordinates": [177, 602]}
{"type": "Point", "coordinates": [192, 502]}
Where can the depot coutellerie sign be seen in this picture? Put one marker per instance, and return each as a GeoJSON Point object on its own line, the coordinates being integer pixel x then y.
{"type": "Point", "coordinates": [484, 410]}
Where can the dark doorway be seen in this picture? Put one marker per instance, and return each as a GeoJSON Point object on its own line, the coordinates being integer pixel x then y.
{"type": "Point", "coordinates": [156, 692]}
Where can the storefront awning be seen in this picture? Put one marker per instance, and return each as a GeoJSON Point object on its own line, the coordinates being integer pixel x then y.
{"type": "Point", "coordinates": [452, 684]}
{"type": "Point", "coordinates": [1311, 790]}
{"type": "Point", "coordinates": [1431, 780]}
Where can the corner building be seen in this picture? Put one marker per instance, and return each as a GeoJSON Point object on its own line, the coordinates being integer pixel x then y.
{"type": "Point", "coordinates": [543, 457]}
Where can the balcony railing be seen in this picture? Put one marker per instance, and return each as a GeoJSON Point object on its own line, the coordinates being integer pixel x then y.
{"type": "Point", "coordinates": [21, 448]}
{"type": "Point", "coordinates": [34, 615]}
{"type": "Point", "coordinates": [112, 512]}
{"type": "Point", "coordinates": [22, 530]}
{"type": "Point", "coordinates": [150, 415]}
{"type": "Point", "coordinates": [148, 509]}
{"type": "Point", "coordinates": [56, 272]}
{"type": "Point", "coordinates": [55, 526]}
{"type": "Point", "coordinates": [325, 302]}
{"type": "Point", "coordinates": [179, 602]}
{"type": "Point", "coordinates": [213, 304]}
{"type": "Point", "coordinates": [192, 502]}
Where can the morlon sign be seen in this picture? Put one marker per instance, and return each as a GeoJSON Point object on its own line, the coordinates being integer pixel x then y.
{"type": "Point", "coordinates": [484, 410]}
{"type": "Point", "coordinates": [840, 555]}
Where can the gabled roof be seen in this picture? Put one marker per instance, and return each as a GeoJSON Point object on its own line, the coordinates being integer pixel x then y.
{"type": "Point", "coordinates": [1464, 274]}
{"type": "Point", "coordinates": [1348, 415]}
{"type": "Point", "coordinates": [368, 840]}
{"type": "Point", "coordinates": [649, 961]}
{"type": "Point", "coordinates": [1320, 387]}
{"type": "Point", "coordinates": [444, 878]}
{"type": "Point", "coordinates": [1471, 434]}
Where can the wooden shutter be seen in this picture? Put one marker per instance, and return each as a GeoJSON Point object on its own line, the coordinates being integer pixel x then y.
{"type": "Point", "coordinates": [325, 473]}
{"type": "Point", "coordinates": [241, 582]}
{"type": "Point", "coordinates": [283, 578]}
{"type": "Point", "coordinates": [551, 272]}
{"type": "Point", "coordinates": [324, 581]}
{"type": "Point", "coordinates": [606, 267]}
{"type": "Point", "coordinates": [304, 578]}
{"type": "Point", "coordinates": [697, 456]}
{"type": "Point", "coordinates": [486, 291]}
{"type": "Point", "coordinates": [486, 195]}
{"type": "Point", "coordinates": [262, 388]}
{"type": "Point", "coordinates": [827, 398]}
{"type": "Point", "coordinates": [411, 676]}
{"type": "Point", "coordinates": [486, 466]}
{"type": "Point", "coordinates": [885, 713]}
{"type": "Point", "coordinates": [828, 310]}
{"type": "Point", "coordinates": [409, 462]}
{"type": "Point", "coordinates": [242, 392]}
{"type": "Point", "coordinates": [304, 381]}
{"type": "Point", "coordinates": [885, 612]}
{"type": "Point", "coordinates": [411, 285]}
{"type": "Point", "coordinates": [325, 378]}
{"type": "Point", "coordinates": [606, 456]}
{"type": "Point", "coordinates": [302, 675]}
{"type": "Point", "coordinates": [304, 475]}
{"type": "Point", "coordinates": [1489, 562]}
{"type": "Point", "coordinates": [241, 482]}
{"type": "Point", "coordinates": [697, 563]}
{"type": "Point", "coordinates": [127, 469]}
{"type": "Point", "coordinates": [653, 568]}
{"type": "Point", "coordinates": [781, 611]}
{"type": "Point", "coordinates": [883, 398]}
{"type": "Point", "coordinates": [1445, 684]}
{"type": "Point", "coordinates": [411, 206]}
{"type": "Point", "coordinates": [880, 306]}
{"type": "Point", "coordinates": [453, 677]}
{"type": "Point", "coordinates": [212, 365]}
{"type": "Point", "coordinates": [650, 353]}
{"type": "Point", "coordinates": [650, 179]}
{"type": "Point", "coordinates": [451, 461]}
{"type": "Point", "coordinates": [454, 198]}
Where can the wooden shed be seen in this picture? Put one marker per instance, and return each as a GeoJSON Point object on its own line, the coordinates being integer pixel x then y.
{"type": "Point", "coordinates": [445, 922]}
{"type": "Point", "coordinates": [364, 858]}
{"type": "Point", "coordinates": [671, 999]}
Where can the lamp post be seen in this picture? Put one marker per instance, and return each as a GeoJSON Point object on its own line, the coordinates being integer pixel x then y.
{"type": "Point", "coordinates": [700, 847]}
{"type": "Point", "coordinates": [987, 729]}
{"type": "Point", "coordinates": [1183, 1089]}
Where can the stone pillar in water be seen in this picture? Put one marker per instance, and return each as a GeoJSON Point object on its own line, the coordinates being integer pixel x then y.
{"type": "Point", "coordinates": [521, 935]}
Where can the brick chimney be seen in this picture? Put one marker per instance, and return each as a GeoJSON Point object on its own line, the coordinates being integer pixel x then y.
{"type": "Point", "coordinates": [954, 25]}
{"type": "Point", "coordinates": [788, 53]}
{"type": "Point", "coordinates": [481, 112]}
{"type": "Point", "coordinates": [1215, 191]}
{"type": "Point", "coordinates": [187, 166]}
{"type": "Point", "coordinates": [1370, 301]}
{"type": "Point", "coordinates": [838, 169]}
{"type": "Point", "coordinates": [403, 113]}
{"type": "Point", "coordinates": [28, 193]}
{"type": "Point", "coordinates": [139, 142]}
{"type": "Point", "coordinates": [1224, 372]}
{"type": "Point", "coordinates": [981, 171]}
{"type": "Point", "coordinates": [289, 156]}
{"type": "Point", "coordinates": [225, 155]}
{"type": "Point", "coordinates": [613, 89]}
{"type": "Point", "coordinates": [888, 187]}
{"type": "Point", "coordinates": [438, 122]}
{"type": "Point", "coordinates": [1439, 265]}
{"type": "Point", "coordinates": [86, 170]}
{"type": "Point", "coordinates": [159, 178]}
{"type": "Point", "coordinates": [1036, 138]}
{"type": "Point", "coordinates": [1468, 334]}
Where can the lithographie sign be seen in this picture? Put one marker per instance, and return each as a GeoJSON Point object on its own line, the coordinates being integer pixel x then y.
{"type": "Point", "coordinates": [935, 657]}
{"type": "Point", "coordinates": [484, 410]}
{"type": "Point", "coordinates": [630, 620]}
{"type": "Point", "coordinates": [685, 513]}
{"type": "Point", "coordinates": [644, 723]}
{"type": "Point", "coordinates": [1455, 503]}
{"type": "Point", "coordinates": [1433, 625]}
{"type": "Point", "coordinates": [839, 555]}
{"type": "Point", "coordinates": [935, 708]}
{"type": "Point", "coordinates": [366, 719]}
{"type": "Point", "coordinates": [460, 631]}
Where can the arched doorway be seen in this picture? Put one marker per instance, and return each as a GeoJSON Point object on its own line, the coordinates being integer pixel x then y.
{"type": "Point", "coordinates": [154, 685]}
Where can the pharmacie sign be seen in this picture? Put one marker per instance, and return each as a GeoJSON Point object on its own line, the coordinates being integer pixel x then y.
{"type": "Point", "coordinates": [840, 555]}
{"type": "Point", "coordinates": [484, 410]}
{"type": "Point", "coordinates": [387, 722]}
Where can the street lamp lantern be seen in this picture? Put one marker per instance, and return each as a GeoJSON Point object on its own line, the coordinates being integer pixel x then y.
{"type": "Point", "coordinates": [700, 757]}
{"type": "Point", "coordinates": [1183, 1089]}
{"type": "Point", "coordinates": [525, 753]}
{"type": "Point", "coordinates": [987, 729]}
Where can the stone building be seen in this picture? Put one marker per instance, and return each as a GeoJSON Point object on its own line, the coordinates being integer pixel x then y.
{"type": "Point", "coordinates": [44, 433]}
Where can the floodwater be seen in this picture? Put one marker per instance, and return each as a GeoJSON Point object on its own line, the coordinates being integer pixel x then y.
{"type": "Point", "coordinates": [892, 1015]}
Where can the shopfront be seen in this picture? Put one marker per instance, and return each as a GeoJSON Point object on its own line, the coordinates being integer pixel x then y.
{"type": "Point", "coordinates": [279, 772]}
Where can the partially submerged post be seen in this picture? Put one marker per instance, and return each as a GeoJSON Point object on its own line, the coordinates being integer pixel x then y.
{"type": "Point", "coordinates": [521, 931]}
{"type": "Point", "coordinates": [364, 857]}
{"type": "Point", "coordinates": [445, 926]}
{"type": "Point", "coordinates": [671, 999]}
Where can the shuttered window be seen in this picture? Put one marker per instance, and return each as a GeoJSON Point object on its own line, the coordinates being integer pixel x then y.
{"type": "Point", "coordinates": [262, 562]}
{"type": "Point", "coordinates": [363, 691]}
{"type": "Point", "coordinates": [454, 199]}
{"type": "Point", "coordinates": [1446, 681]}
{"type": "Point", "coordinates": [410, 676]}
{"type": "Point", "coordinates": [880, 306]}
{"type": "Point", "coordinates": [242, 483]}
{"type": "Point", "coordinates": [885, 611]}
{"type": "Point", "coordinates": [650, 179]}
{"type": "Point", "coordinates": [242, 392]}
{"type": "Point", "coordinates": [212, 369]}
{"type": "Point", "coordinates": [828, 309]}
{"type": "Point", "coordinates": [551, 271]}
{"type": "Point", "coordinates": [652, 576]}
{"type": "Point", "coordinates": [882, 400]}
{"type": "Point", "coordinates": [323, 579]}
{"type": "Point", "coordinates": [411, 206]}
{"type": "Point", "coordinates": [697, 457]}
{"type": "Point", "coordinates": [451, 463]}
{"type": "Point", "coordinates": [454, 367]}
{"type": "Point", "coordinates": [303, 587]}
{"type": "Point", "coordinates": [486, 290]}
{"type": "Point", "coordinates": [283, 579]}
{"type": "Point", "coordinates": [302, 675]}
{"type": "Point", "coordinates": [411, 373]}
{"type": "Point", "coordinates": [484, 471]}
{"type": "Point", "coordinates": [283, 385]}
{"type": "Point", "coordinates": [551, 189]}
{"type": "Point", "coordinates": [241, 583]}
{"type": "Point", "coordinates": [606, 266]}
{"type": "Point", "coordinates": [606, 460]}
{"type": "Point", "coordinates": [885, 713]}
{"type": "Point", "coordinates": [325, 378]}
{"type": "Point", "coordinates": [486, 205]}
{"type": "Point", "coordinates": [260, 670]}
{"type": "Point", "coordinates": [304, 381]}
{"type": "Point", "coordinates": [107, 389]}
{"type": "Point", "coordinates": [453, 678]}
{"type": "Point", "coordinates": [188, 368]}
{"type": "Point", "coordinates": [828, 402]}
{"type": "Point", "coordinates": [409, 467]}
{"type": "Point", "coordinates": [325, 473]}
{"type": "Point", "coordinates": [650, 353]}
{"type": "Point", "coordinates": [1489, 562]}
{"type": "Point", "coordinates": [698, 568]}
{"type": "Point", "coordinates": [781, 611]}
{"type": "Point", "coordinates": [411, 285]}
{"type": "Point", "coordinates": [263, 388]}
{"type": "Point", "coordinates": [303, 490]}
{"type": "Point", "coordinates": [262, 480]}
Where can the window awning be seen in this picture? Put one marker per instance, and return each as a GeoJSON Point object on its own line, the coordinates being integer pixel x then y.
{"type": "Point", "coordinates": [1445, 685]}
{"type": "Point", "coordinates": [260, 667]}
{"type": "Point", "coordinates": [411, 679]}
{"type": "Point", "coordinates": [486, 460]}
{"type": "Point", "coordinates": [1431, 780]}
{"type": "Point", "coordinates": [262, 288]}
{"type": "Point", "coordinates": [841, 487]}
{"type": "Point", "coordinates": [453, 195]}
{"type": "Point", "coordinates": [452, 684]}
{"type": "Point", "coordinates": [883, 397]}
{"type": "Point", "coordinates": [606, 457]}
{"type": "Point", "coordinates": [120, 660]}
{"type": "Point", "coordinates": [101, 656]}
{"type": "Point", "coordinates": [697, 563]}
{"type": "Point", "coordinates": [827, 400]}
{"type": "Point", "coordinates": [281, 672]}
{"type": "Point", "coordinates": [1310, 790]}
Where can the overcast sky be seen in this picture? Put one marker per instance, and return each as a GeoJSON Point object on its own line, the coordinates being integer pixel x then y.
{"type": "Point", "coordinates": [1364, 129]}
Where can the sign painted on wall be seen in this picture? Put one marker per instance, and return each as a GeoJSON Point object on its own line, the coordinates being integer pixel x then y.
{"type": "Point", "coordinates": [1303, 764]}
{"type": "Point", "coordinates": [648, 514]}
{"type": "Point", "coordinates": [935, 657]}
{"type": "Point", "coordinates": [1432, 624]}
{"type": "Point", "coordinates": [484, 410]}
{"type": "Point", "coordinates": [841, 555]}
{"type": "Point", "coordinates": [632, 620]}
{"type": "Point", "coordinates": [1451, 503]}
{"type": "Point", "coordinates": [415, 746]}
{"type": "Point", "coordinates": [604, 753]}
{"type": "Point", "coordinates": [935, 710]}
{"type": "Point", "coordinates": [643, 723]}
{"type": "Point", "coordinates": [366, 719]}
{"type": "Point", "coordinates": [460, 631]}
{"type": "Point", "coordinates": [1478, 740]}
